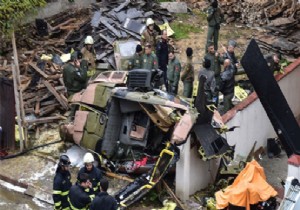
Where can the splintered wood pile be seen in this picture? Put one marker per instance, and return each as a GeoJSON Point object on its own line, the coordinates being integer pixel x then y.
{"type": "Point", "coordinates": [258, 12]}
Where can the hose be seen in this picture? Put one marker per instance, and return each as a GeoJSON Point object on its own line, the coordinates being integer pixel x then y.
{"type": "Point", "coordinates": [28, 150]}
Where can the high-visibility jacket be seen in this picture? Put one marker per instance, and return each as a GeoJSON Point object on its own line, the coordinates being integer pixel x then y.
{"type": "Point", "coordinates": [61, 186]}
{"type": "Point", "coordinates": [95, 175]}
{"type": "Point", "coordinates": [78, 198]}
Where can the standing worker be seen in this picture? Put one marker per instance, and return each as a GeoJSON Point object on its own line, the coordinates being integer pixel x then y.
{"type": "Point", "coordinates": [149, 58]}
{"type": "Point", "coordinates": [137, 60]}
{"type": "Point", "coordinates": [149, 35]}
{"type": "Point", "coordinates": [103, 200]}
{"type": "Point", "coordinates": [214, 18]}
{"type": "Point", "coordinates": [162, 53]}
{"type": "Point", "coordinates": [75, 73]}
{"type": "Point", "coordinates": [78, 198]}
{"type": "Point", "coordinates": [215, 65]}
{"type": "Point", "coordinates": [229, 54]}
{"type": "Point", "coordinates": [173, 73]}
{"type": "Point", "coordinates": [62, 184]}
{"type": "Point", "coordinates": [210, 82]}
{"type": "Point", "coordinates": [95, 175]}
{"type": "Point", "coordinates": [227, 87]}
{"type": "Point", "coordinates": [187, 76]}
{"type": "Point", "coordinates": [89, 55]}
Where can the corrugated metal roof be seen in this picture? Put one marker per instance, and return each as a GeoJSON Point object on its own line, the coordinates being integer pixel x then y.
{"type": "Point", "coordinates": [7, 114]}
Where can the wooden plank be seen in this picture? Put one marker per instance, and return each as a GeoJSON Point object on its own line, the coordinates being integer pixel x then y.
{"type": "Point", "coordinates": [43, 74]}
{"type": "Point", "coordinates": [172, 194]}
{"type": "Point", "coordinates": [56, 94]}
{"type": "Point", "coordinates": [37, 108]}
{"type": "Point", "coordinates": [47, 103]}
{"type": "Point", "coordinates": [46, 119]}
{"type": "Point", "coordinates": [48, 109]}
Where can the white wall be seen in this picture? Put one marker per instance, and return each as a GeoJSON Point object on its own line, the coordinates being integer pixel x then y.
{"type": "Point", "coordinates": [254, 122]}
{"type": "Point", "coordinates": [193, 174]}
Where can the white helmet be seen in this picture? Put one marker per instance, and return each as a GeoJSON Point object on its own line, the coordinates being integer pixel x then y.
{"type": "Point", "coordinates": [88, 158]}
{"type": "Point", "coordinates": [149, 21]}
{"type": "Point", "coordinates": [89, 40]}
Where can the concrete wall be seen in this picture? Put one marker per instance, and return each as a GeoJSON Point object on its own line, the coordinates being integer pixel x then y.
{"type": "Point", "coordinates": [253, 121]}
{"type": "Point", "coordinates": [62, 5]}
{"type": "Point", "coordinates": [193, 174]}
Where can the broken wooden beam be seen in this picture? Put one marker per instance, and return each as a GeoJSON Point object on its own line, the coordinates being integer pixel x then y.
{"type": "Point", "coordinates": [56, 94]}
{"type": "Point", "coordinates": [45, 120]}
{"type": "Point", "coordinates": [172, 194]}
{"type": "Point", "coordinates": [38, 70]}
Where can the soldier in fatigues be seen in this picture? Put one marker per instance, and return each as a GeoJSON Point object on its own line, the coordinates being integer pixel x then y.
{"type": "Point", "coordinates": [229, 54]}
{"type": "Point", "coordinates": [75, 74]}
{"type": "Point", "coordinates": [173, 73]}
{"type": "Point", "coordinates": [227, 87]}
{"type": "Point", "coordinates": [137, 60]}
{"type": "Point", "coordinates": [187, 76]}
{"type": "Point", "coordinates": [149, 58]}
{"type": "Point", "coordinates": [149, 35]}
{"type": "Point", "coordinates": [214, 19]}
{"type": "Point", "coordinates": [216, 60]}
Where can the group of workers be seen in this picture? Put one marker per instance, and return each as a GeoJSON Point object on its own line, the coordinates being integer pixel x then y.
{"type": "Point", "coordinates": [156, 52]}
{"type": "Point", "coordinates": [89, 191]}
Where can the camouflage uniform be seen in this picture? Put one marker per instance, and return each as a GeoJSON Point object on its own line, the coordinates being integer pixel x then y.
{"type": "Point", "coordinates": [149, 37]}
{"type": "Point", "coordinates": [173, 74]}
{"type": "Point", "coordinates": [187, 78]}
{"type": "Point", "coordinates": [214, 19]}
{"type": "Point", "coordinates": [150, 61]}
{"type": "Point", "coordinates": [136, 62]}
{"type": "Point", "coordinates": [75, 78]}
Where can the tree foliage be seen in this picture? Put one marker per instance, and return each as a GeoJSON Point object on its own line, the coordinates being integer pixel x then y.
{"type": "Point", "coordinates": [13, 12]}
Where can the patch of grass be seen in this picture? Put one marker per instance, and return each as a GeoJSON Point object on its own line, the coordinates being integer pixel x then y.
{"type": "Point", "coordinates": [182, 29]}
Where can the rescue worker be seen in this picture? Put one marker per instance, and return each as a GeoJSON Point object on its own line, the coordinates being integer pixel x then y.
{"type": "Point", "coordinates": [95, 175]}
{"type": "Point", "coordinates": [137, 60]}
{"type": "Point", "coordinates": [162, 53]}
{"type": "Point", "coordinates": [229, 54]}
{"type": "Point", "coordinates": [103, 200]}
{"type": "Point", "coordinates": [187, 76]}
{"type": "Point", "coordinates": [149, 58]}
{"type": "Point", "coordinates": [78, 198]}
{"type": "Point", "coordinates": [227, 87]}
{"type": "Point", "coordinates": [273, 62]}
{"type": "Point", "coordinates": [62, 184]}
{"type": "Point", "coordinates": [173, 73]}
{"type": "Point", "coordinates": [210, 83]}
{"type": "Point", "coordinates": [88, 54]}
{"type": "Point", "coordinates": [215, 65]}
{"type": "Point", "coordinates": [214, 18]}
{"type": "Point", "coordinates": [149, 34]}
{"type": "Point", "coordinates": [75, 73]}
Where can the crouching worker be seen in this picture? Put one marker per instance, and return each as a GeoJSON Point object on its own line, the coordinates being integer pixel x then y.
{"type": "Point", "coordinates": [78, 198]}
{"type": "Point", "coordinates": [103, 200]}
{"type": "Point", "coordinates": [95, 175]}
{"type": "Point", "coordinates": [62, 184]}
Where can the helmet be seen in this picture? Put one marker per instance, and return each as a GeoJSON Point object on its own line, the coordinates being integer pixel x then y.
{"type": "Point", "coordinates": [89, 40]}
{"type": "Point", "coordinates": [76, 55]}
{"type": "Point", "coordinates": [88, 158]}
{"type": "Point", "coordinates": [64, 160]}
{"type": "Point", "coordinates": [149, 21]}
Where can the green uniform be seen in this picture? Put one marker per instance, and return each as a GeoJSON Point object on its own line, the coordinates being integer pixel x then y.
{"type": "Point", "coordinates": [75, 78]}
{"type": "Point", "coordinates": [214, 18]}
{"type": "Point", "coordinates": [150, 61]}
{"type": "Point", "coordinates": [135, 62]}
{"type": "Point", "coordinates": [149, 37]}
{"type": "Point", "coordinates": [187, 77]}
{"type": "Point", "coordinates": [173, 75]}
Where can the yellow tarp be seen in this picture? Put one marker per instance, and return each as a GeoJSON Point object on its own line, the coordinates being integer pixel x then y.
{"type": "Point", "coordinates": [249, 187]}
